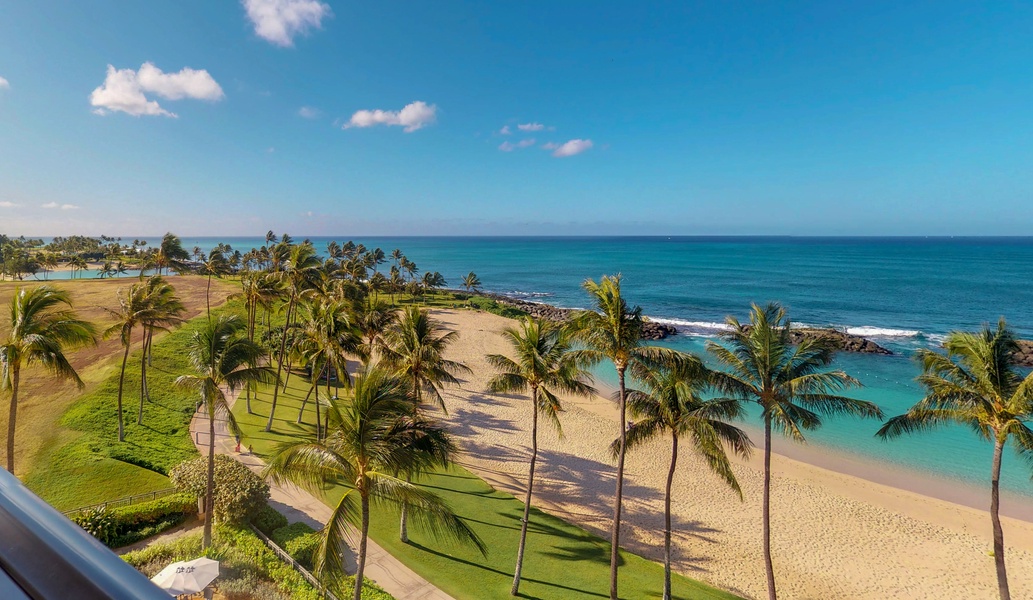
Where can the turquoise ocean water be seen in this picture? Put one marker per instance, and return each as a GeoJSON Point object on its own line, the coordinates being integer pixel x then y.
{"type": "Point", "coordinates": [904, 293]}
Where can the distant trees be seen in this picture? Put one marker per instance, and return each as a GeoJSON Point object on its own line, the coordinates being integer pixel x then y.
{"type": "Point", "coordinates": [471, 282]}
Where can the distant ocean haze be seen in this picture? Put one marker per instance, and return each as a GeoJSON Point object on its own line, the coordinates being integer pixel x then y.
{"type": "Point", "coordinates": [904, 293]}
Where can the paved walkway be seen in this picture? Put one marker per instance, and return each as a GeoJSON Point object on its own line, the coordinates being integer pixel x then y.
{"type": "Point", "coordinates": [298, 505]}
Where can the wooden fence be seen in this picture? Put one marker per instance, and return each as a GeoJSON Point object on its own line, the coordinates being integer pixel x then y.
{"type": "Point", "coordinates": [287, 558]}
{"type": "Point", "coordinates": [126, 501]}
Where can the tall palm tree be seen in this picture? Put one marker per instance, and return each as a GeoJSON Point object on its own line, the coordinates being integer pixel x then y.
{"type": "Point", "coordinates": [170, 253]}
{"type": "Point", "coordinates": [42, 327]}
{"type": "Point", "coordinates": [325, 337]}
{"type": "Point", "coordinates": [374, 319]}
{"type": "Point", "coordinates": [213, 265]}
{"type": "Point", "coordinates": [471, 282]}
{"type": "Point", "coordinates": [976, 384]}
{"type": "Point", "coordinates": [222, 359]}
{"type": "Point", "coordinates": [789, 384]}
{"type": "Point", "coordinates": [296, 275]}
{"type": "Point", "coordinates": [613, 331]}
{"type": "Point", "coordinates": [673, 403]}
{"type": "Point", "coordinates": [544, 365]}
{"type": "Point", "coordinates": [415, 349]}
{"type": "Point", "coordinates": [164, 311]}
{"type": "Point", "coordinates": [371, 437]}
{"type": "Point", "coordinates": [132, 310]}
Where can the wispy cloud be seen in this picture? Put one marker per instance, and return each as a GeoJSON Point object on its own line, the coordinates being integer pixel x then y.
{"type": "Point", "coordinates": [69, 207]}
{"type": "Point", "coordinates": [8, 204]}
{"type": "Point", "coordinates": [505, 130]}
{"type": "Point", "coordinates": [4, 84]}
{"type": "Point", "coordinates": [510, 146]}
{"type": "Point", "coordinates": [279, 21]}
{"type": "Point", "coordinates": [309, 112]}
{"type": "Point", "coordinates": [569, 148]}
{"type": "Point", "coordinates": [416, 115]}
{"type": "Point", "coordinates": [49, 205]}
{"type": "Point", "coordinates": [124, 90]}
{"type": "Point", "coordinates": [531, 127]}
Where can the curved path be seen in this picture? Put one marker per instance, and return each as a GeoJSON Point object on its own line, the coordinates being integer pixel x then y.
{"type": "Point", "coordinates": [298, 505]}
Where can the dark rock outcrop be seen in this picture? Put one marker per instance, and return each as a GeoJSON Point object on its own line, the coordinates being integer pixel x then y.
{"type": "Point", "coordinates": [844, 341]}
{"type": "Point", "coordinates": [1024, 355]}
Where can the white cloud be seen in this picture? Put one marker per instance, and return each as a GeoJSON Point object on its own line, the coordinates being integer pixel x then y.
{"type": "Point", "coordinates": [69, 207]}
{"type": "Point", "coordinates": [530, 127]}
{"type": "Point", "coordinates": [510, 146]}
{"type": "Point", "coordinates": [505, 130]}
{"type": "Point", "coordinates": [278, 21]}
{"type": "Point", "coordinates": [123, 89]}
{"type": "Point", "coordinates": [414, 116]}
{"type": "Point", "coordinates": [569, 148]}
{"type": "Point", "coordinates": [49, 205]}
{"type": "Point", "coordinates": [4, 84]}
{"type": "Point", "coordinates": [550, 146]}
{"type": "Point", "coordinates": [309, 112]}
{"type": "Point", "coordinates": [8, 204]}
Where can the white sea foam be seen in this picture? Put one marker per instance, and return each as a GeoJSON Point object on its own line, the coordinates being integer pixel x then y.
{"type": "Point", "coordinates": [521, 294]}
{"type": "Point", "coordinates": [694, 328]}
{"type": "Point", "coordinates": [869, 331]}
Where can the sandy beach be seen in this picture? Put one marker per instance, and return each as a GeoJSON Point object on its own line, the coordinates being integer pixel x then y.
{"type": "Point", "coordinates": [834, 535]}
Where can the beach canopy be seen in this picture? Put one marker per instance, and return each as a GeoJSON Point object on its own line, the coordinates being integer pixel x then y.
{"type": "Point", "coordinates": [187, 577]}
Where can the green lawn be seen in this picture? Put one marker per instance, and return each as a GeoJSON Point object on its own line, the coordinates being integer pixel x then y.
{"type": "Point", "coordinates": [562, 561]}
{"type": "Point", "coordinates": [88, 465]}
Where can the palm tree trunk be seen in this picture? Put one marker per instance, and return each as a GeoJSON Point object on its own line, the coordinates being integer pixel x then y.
{"type": "Point", "coordinates": [527, 499]}
{"type": "Point", "coordinates": [11, 416]}
{"type": "Point", "coordinates": [207, 297]}
{"type": "Point", "coordinates": [209, 496]}
{"type": "Point", "coordinates": [615, 531]}
{"type": "Point", "coordinates": [667, 517]}
{"type": "Point", "coordinates": [304, 401]}
{"type": "Point", "coordinates": [995, 519]}
{"type": "Point", "coordinates": [361, 559]}
{"type": "Point", "coordinates": [279, 366]}
{"type": "Point", "coordinates": [143, 377]}
{"type": "Point", "coordinates": [403, 521]}
{"type": "Point", "coordinates": [766, 510]}
{"type": "Point", "coordinates": [121, 382]}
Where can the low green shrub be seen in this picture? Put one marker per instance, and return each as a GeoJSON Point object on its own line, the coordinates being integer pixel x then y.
{"type": "Point", "coordinates": [268, 520]}
{"type": "Point", "coordinates": [97, 522]}
{"type": "Point", "coordinates": [300, 541]}
{"type": "Point", "coordinates": [239, 492]}
{"type": "Point", "coordinates": [146, 513]}
{"type": "Point", "coordinates": [494, 307]}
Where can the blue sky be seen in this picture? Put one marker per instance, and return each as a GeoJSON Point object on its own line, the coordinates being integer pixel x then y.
{"type": "Point", "coordinates": [667, 118]}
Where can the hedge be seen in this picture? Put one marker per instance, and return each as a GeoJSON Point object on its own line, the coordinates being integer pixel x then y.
{"type": "Point", "coordinates": [126, 525]}
{"type": "Point", "coordinates": [268, 520]}
{"type": "Point", "coordinates": [239, 492]}
{"type": "Point", "coordinates": [300, 541]}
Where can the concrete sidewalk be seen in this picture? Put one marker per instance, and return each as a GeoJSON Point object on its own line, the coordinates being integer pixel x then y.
{"type": "Point", "coordinates": [298, 505]}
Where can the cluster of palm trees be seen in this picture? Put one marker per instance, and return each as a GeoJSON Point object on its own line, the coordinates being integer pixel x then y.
{"type": "Point", "coordinates": [975, 383]}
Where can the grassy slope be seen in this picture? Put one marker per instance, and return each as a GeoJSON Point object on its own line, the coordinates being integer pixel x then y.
{"type": "Point", "coordinates": [85, 464]}
{"type": "Point", "coordinates": [561, 561]}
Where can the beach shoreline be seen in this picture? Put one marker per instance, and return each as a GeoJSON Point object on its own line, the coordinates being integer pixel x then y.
{"type": "Point", "coordinates": [876, 540]}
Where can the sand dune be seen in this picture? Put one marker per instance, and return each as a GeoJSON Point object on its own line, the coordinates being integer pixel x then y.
{"type": "Point", "coordinates": [834, 535]}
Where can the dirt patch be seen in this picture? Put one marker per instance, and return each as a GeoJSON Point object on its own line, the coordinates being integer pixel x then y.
{"type": "Point", "coordinates": [43, 399]}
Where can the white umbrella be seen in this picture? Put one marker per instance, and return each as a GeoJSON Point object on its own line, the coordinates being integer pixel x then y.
{"type": "Point", "coordinates": [187, 577]}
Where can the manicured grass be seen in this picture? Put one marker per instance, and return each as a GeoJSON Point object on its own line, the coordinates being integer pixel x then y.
{"type": "Point", "coordinates": [561, 561]}
{"type": "Point", "coordinates": [89, 465]}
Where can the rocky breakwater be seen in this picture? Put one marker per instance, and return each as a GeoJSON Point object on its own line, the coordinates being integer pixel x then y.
{"type": "Point", "coordinates": [1024, 355]}
{"type": "Point", "coordinates": [651, 330]}
{"type": "Point", "coordinates": [844, 341]}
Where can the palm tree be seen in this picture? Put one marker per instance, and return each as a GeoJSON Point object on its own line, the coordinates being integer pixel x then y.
{"type": "Point", "coordinates": [132, 310]}
{"type": "Point", "coordinates": [544, 365]}
{"type": "Point", "coordinates": [297, 274]}
{"type": "Point", "coordinates": [471, 282]}
{"type": "Point", "coordinates": [170, 253]}
{"type": "Point", "coordinates": [613, 331]}
{"type": "Point", "coordinates": [371, 436]}
{"type": "Point", "coordinates": [415, 349]}
{"type": "Point", "coordinates": [215, 264]}
{"type": "Point", "coordinates": [324, 339]}
{"type": "Point", "coordinates": [41, 330]}
{"type": "Point", "coordinates": [787, 382]}
{"type": "Point", "coordinates": [164, 310]}
{"type": "Point", "coordinates": [222, 359]}
{"type": "Point", "coordinates": [374, 319]}
{"type": "Point", "coordinates": [673, 403]}
{"type": "Point", "coordinates": [976, 384]}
